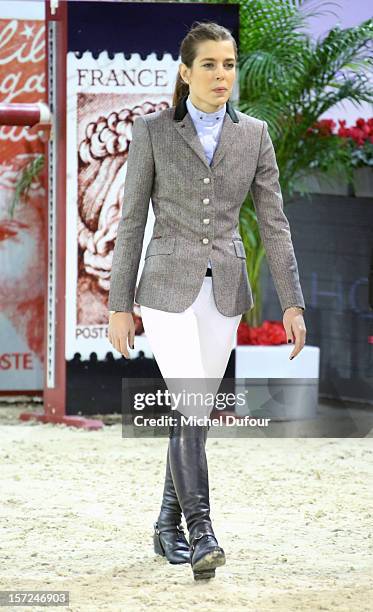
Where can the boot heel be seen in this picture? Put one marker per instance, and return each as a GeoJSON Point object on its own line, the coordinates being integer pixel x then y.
{"type": "Point", "coordinates": [204, 574]}
{"type": "Point", "coordinates": [158, 548]}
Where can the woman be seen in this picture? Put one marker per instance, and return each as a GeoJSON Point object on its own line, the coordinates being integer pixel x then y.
{"type": "Point", "coordinates": [196, 161]}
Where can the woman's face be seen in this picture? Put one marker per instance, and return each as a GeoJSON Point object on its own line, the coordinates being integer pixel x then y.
{"type": "Point", "coordinates": [214, 66]}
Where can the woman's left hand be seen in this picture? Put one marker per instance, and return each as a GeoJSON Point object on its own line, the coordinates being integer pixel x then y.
{"type": "Point", "coordinates": [295, 328]}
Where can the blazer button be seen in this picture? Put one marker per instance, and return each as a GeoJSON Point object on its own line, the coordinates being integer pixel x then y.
{"type": "Point", "coordinates": [206, 200]}
{"type": "Point", "coordinates": [206, 221]}
{"type": "Point", "coordinates": [205, 240]}
{"type": "Point", "coordinates": [206, 180]}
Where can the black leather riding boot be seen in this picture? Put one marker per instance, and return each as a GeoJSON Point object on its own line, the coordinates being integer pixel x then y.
{"type": "Point", "coordinates": [189, 471]}
{"type": "Point", "coordinates": [169, 538]}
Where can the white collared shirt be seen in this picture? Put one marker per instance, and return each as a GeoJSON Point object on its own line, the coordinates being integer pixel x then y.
{"type": "Point", "coordinates": [208, 126]}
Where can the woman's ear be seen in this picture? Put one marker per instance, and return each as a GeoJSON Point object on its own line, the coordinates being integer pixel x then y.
{"type": "Point", "coordinates": [182, 73]}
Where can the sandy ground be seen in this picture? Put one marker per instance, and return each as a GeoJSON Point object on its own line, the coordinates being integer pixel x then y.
{"type": "Point", "coordinates": [294, 516]}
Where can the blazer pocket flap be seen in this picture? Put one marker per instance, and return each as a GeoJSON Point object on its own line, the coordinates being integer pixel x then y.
{"type": "Point", "coordinates": [239, 248]}
{"type": "Point", "coordinates": [160, 246]}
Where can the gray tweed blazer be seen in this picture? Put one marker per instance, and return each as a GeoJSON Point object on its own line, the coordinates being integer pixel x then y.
{"type": "Point", "coordinates": [196, 208]}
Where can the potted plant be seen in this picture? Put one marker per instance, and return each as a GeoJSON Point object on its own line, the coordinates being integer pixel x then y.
{"type": "Point", "coordinates": [289, 80]}
{"type": "Point", "coordinates": [360, 139]}
{"type": "Point", "coordinates": [331, 172]}
{"type": "Point", "coordinates": [352, 150]}
{"type": "Point", "coordinates": [290, 85]}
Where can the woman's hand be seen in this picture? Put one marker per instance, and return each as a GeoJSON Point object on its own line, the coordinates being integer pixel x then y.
{"type": "Point", "coordinates": [121, 328]}
{"type": "Point", "coordinates": [295, 328]}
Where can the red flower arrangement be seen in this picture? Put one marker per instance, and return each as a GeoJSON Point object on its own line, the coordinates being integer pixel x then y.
{"type": "Point", "coordinates": [361, 132]}
{"type": "Point", "coordinates": [269, 333]}
{"type": "Point", "coordinates": [356, 142]}
{"type": "Point", "coordinates": [323, 127]}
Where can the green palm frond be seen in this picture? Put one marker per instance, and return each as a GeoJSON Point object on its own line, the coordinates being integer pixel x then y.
{"type": "Point", "coordinates": [28, 174]}
{"type": "Point", "coordinates": [266, 111]}
{"type": "Point", "coordinates": [339, 49]}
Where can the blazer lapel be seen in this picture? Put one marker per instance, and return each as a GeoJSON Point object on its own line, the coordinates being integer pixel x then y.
{"type": "Point", "coordinates": [184, 125]}
{"type": "Point", "coordinates": [229, 132]}
{"type": "Point", "coordinates": [188, 131]}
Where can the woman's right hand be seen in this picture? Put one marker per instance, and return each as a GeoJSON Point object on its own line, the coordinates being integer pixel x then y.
{"type": "Point", "coordinates": [121, 328]}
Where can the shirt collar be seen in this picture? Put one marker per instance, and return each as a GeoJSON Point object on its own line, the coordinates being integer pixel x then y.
{"type": "Point", "coordinates": [202, 117]}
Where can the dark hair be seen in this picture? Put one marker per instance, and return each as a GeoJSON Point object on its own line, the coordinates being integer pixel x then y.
{"type": "Point", "coordinates": [199, 32]}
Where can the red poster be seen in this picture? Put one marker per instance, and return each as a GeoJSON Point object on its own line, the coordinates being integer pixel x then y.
{"type": "Point", "coordinates": [22, 223]}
